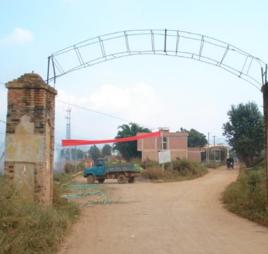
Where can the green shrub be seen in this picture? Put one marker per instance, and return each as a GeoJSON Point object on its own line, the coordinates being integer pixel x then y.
{"type": "Point", "coordinates": [150, 164]}
{"type": "Point", "coordinates": [153, 173]}
{"type": "Point", "coordinates": [69, 168]}
{"type": "Point", "coordinates": [26, 227]}
{"type": "Point", "coordinates": [246, 196]}
{"type": "Point", "coordinates": [176, 170]}
{"type": "Point", "coordinates": [213, 164]}
{"type": "Point", "coordinates": [187, 167]}
{"type": "Point", "coordinates": [136, 161]}
{"type": "Point", "coordinates": [73, 168]}
{"type": "Point", "coordinates": [62, 178]}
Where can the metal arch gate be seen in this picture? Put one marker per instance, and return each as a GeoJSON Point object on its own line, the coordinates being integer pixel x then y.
{"type": "Point", "coordinates": [170, 43]}
{"type": "Point", "coordinates": [157, 42]}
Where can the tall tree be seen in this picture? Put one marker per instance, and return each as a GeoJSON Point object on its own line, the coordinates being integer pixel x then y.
{"type": "Point", "coordinates": [106, 150]}
{"type": "Point", "coordinates": [94, 153]}
{"type": "Point", "coordinates": [195, 138]}
{"type": "Point", "coordinates": [72, 154]}
{"type": "Point", "coordinates": [129, 149]}
{"type": "Point", "coordinates": [245, 131]}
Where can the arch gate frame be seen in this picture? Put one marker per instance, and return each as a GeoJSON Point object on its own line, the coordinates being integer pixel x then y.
{"type": "Point", "coordinates": [166, 42]}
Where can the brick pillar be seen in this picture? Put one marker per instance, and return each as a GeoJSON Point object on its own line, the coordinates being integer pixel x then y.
{"type": "Point", "coordinates": [265, 111]}
{"type": "Point", "coordinates": [30, 137]}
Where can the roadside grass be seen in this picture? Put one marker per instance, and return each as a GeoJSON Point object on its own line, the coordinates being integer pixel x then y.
{"type": "Point", "coordinates": [175, 171]}
{"type": "Point", "coordinates": [29, 228]}
{"type": "Point", "coordinates": [246, 196]}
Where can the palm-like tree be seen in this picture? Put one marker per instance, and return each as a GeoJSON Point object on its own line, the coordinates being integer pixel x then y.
{"type": "Point", "coordinates": [129, 149]}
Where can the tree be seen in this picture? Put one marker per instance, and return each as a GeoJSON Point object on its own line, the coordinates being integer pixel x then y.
{"type": "Point", "coordinates": [72, 154]}
{"type": "Point", "coordinates": [129, 149]}
{"type": "Point", "coordinates": [94, 153]}
{"type": "Point", "coordinates": [245, 132]}
{"type": "Point", "coordinates": [106, 150]}
{"type": "Point", "coordinates": [195, 138]}
{"type": "Point", "coordinates": [77, 154]}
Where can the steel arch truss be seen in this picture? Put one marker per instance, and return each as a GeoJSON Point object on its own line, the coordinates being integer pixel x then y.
{"type": "Point", "coordinates": [158, 42]}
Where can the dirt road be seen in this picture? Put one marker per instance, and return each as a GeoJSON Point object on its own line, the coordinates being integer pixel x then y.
{"type": "Point", "coordinates": [181, 218]}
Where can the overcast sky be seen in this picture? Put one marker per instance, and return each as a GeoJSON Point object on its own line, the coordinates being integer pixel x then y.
{"type": "Point", "coordinates": [155, 91]}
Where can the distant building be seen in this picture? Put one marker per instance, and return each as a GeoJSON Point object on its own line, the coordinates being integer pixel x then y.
{"type": "Point", "coordinates": [175, 142]}
{"type": "Point", "coordinates": [218, 153]}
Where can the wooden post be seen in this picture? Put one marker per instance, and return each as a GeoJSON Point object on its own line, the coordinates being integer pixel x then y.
{"type": "Point", "coordinates": [265, 111]}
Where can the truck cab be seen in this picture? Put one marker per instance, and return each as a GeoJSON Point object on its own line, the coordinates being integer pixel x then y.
{"type": "Point", "coordinates": [95, 172]}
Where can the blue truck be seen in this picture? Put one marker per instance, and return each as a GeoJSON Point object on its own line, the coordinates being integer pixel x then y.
{"type": "Point", "coordinates": [124, 173]}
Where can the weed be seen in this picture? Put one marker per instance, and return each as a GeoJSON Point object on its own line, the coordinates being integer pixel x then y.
{"type": "Point", "coordinates": [213, 164]}
{"type": "Point", "coordinates": [176, 170]}
{"type": "Point", "coordinates": [30, 228]}
{"type": "Point", "coordinates": [246, 196]}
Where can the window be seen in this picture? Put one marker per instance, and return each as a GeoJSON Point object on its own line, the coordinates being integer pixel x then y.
{"type": "Point", "coordinates": [164, 143]}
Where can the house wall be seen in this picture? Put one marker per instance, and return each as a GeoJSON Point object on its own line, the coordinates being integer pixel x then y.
{"type": "Point", "coordinates": [194, 154]}
{"type": "Point", "coordinates": [177, 144]}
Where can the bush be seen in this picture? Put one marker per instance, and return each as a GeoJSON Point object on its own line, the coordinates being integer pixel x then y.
{"type": "Point", "coordinates": [213, 164]}
{"type": "Point", "coordinates": [176, 170]}
{"type": "Point", "coordinates": [246, 196]}
{"type": "Point", "coordinates": [69, 168]}
{"type": "Point", "coordinates": [73, 168]}
{"type": "Point", "coordinates": [29, 228]}
{"type": "Point", "coordinates": [186, 167]}
{"type": "Point", "coordinates": [150, 164]}
{"type": "Point", "coordinates": [153, 173]}
{"type": "Point", "coordinates": [62, 178]}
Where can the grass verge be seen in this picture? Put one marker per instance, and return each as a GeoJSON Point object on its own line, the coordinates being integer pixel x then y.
{"type": "Point", "coordinates": [246, 196]}
{"type": "Point", "coordinates": [175, 171]}
{"type": "Point", "coordinates": [29, 228]}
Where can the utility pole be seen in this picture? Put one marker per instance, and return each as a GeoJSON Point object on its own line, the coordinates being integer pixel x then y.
{"type": "Point", "coordinates": [208, 149]}
{"type": "Point", "coordinates": [68, 123]}
{"type": "Point", "coordinates": [68, 131]}
{"type": "Point", "coordinates": [214, 147]}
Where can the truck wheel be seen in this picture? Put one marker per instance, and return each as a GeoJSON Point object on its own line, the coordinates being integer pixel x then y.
{"type": "Point", "coordinates": [101, 180]}
{"type": "Point", "coordinates": [91, 179]}
{"type": "Point", "coordinates": [131, 179]}
{"type": "Point", "coordinates": [122, 179]}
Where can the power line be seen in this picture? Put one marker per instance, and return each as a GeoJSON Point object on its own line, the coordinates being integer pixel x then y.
{"type": "Point", "coordinates": [92, 110]}
{"type": "Point", "coordinates": [102, 113]}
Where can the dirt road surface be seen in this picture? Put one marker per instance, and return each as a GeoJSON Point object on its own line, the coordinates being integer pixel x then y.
{"type": "Point", "coordinates": [181, 218]}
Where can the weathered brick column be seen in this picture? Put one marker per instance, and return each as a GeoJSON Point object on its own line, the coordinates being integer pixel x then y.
{"type": "Point", "coordinates": [30, 137]}
{"type": "Point", "coordinates": [265, 111]}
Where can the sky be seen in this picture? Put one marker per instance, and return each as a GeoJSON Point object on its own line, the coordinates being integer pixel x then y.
{"type": "Point", "coordinates": [154, 91]}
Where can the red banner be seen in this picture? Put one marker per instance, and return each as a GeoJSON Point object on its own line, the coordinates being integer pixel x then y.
{"type": "Point", "coordinates": [79, 142]}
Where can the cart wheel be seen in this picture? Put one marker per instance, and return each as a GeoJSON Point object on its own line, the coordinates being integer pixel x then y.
{"type": "Point", "coordinates": [101, 180]}
{"type": "Point", "coordinates": [91, 179]}
{"type": "Point", "coordinates": [122, 179]}
{"type": "Point", "coordinates": [131, 179]}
